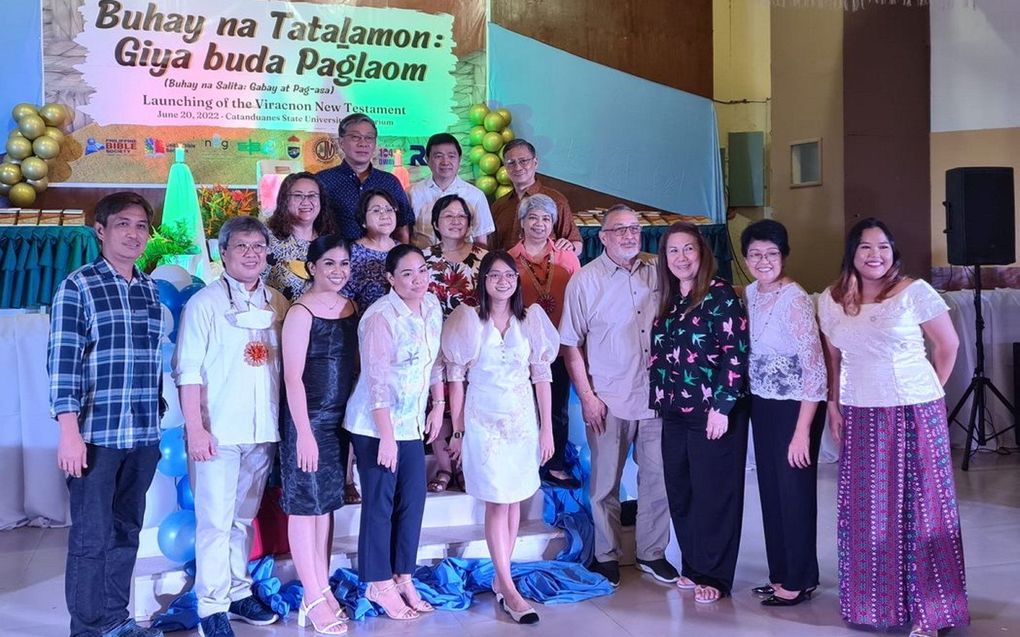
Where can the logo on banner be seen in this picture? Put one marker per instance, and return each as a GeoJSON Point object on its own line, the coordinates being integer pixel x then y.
{"type": "Point", "coordinates": [92, 146]}
{"type": "Point", "coordinates": [293, 147]}
{"type": "Point", "coordinates": [255, 148]}
{"type": "Point", "coordinates": [120, 146]}
{"type": "Point", "coordinates": [325, 149]}
{"type": "Point", "coordinates": [154, 147]}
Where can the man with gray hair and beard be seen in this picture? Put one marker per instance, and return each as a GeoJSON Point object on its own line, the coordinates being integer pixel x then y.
{"type": "Point", "coordinates": [610, 305]}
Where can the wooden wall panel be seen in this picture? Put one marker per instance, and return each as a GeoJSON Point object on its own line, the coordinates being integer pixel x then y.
{"type": "Point", "coordinates": [886, 106]}
{"type": "Point", "coordinates": [665, 41]}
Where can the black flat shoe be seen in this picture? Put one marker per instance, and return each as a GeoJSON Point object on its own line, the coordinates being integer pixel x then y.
{"type": "Point", "coordinates": [764, 591]}
{"type": "Point", "coordinates": [562, 483]}
{"type": "Point", "coordinates": [802, 596]}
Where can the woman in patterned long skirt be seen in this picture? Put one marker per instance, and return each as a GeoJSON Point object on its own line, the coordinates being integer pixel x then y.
{"type": "Point", "coordinates": [900, 553]}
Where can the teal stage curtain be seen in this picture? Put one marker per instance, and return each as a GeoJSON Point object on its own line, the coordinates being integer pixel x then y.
{"type": "Point", "coordinates": [35, 259]}
{"type": "Point", "coordinates": [717, 235]}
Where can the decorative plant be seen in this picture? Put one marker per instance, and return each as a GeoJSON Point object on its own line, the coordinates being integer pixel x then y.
{"type": "Point", "coordinates": [167, 241]}
{"type": "Point", "coordinates": [220, 203]}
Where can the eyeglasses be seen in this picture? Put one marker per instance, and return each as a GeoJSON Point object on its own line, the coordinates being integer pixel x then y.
{"type": "Point", "coordinates": [506, 275]}
{"type": "Point", "coordinates": [453, 217]}
{"type": "Point", "coordinates": [357, 139]}
{"type": "Point", "coordinates": [514, 163]}
{"type": "Point", "coordinates": [381, 211]}
{"type": "Point", "coordinates": [244, 248]}
{"type": "Point", "coordinates": [771, 255]}
{"type": "Point", "coordinates": [623, 231]}
{"type": "Point", "coordinates": [300, 196]}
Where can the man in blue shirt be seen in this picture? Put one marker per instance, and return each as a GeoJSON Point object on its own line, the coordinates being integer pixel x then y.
{"type": "Point", "coordinates": [105, 370]}
{"type": "Point", "coordinates": [345, 183]}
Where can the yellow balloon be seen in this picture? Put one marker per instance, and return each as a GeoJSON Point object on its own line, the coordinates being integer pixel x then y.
{"type": "Point", "coordinates": [502, 176]}
{"type": "Point", "coordinates": [14, 133]}
{"type": "Point", "coordinates": [19, 148]}
{"type": "Point", "coordinates": [503, 191]}
{"type": "Point", "coordinates": [10, 174]}
{"type": "Point", "coordinates": [22, 195]}
{"type": "Point", "coordinates": [4, 189]}
{"type": "Point", "coordinates": [46, 147]}
{"type": "Point", "coordinates": [55, 133]}
{"type": "Point", "coordinates": [508, 135]}
{"type": "Point", "coordinates": [42, 184]}
{"type": "Point", "coordinates": [23, 109]}
{"type": "Point", "coordinates": [54, 114]}
{"type": "Point", "coordinates": [505, 114]}
{"type": "Point", "coordinates": [34, 168]}
{"type": "Point", "coordinates": [31, 126]}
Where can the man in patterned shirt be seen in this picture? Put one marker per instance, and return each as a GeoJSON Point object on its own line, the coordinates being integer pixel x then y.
{"type": "Point", "coordinates": [105, 371]}
{"type": "Point", "coordinates": [344, 184]}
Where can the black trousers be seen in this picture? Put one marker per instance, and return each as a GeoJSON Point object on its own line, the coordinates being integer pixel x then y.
{"type": "Point", "coordinates": [107, 507]}
{"type": "Point", "coordinates": [789, 498]}
{"type": "Point", "coordinates": [392, 507]}
{"type": "Point", "coordinates": [705, 489]}
{"type": "Point", "coordinates": [560, 418]}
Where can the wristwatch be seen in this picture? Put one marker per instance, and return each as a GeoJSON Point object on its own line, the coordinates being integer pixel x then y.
{"type": "Point", "coordinates": [458, 434]}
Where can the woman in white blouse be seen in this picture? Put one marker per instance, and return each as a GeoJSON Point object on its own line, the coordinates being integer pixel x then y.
{"type": "Point", "coordinates": [898, 540]}
{"type": "Point", "coordinates": [399, 336]}
{"type": "Point", "coordinates": [501, 349]}
{"type": "Point", "coordinates": [787, 376]}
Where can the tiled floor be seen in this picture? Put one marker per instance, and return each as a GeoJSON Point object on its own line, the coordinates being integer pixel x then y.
{"type": "Point", "coordinates": [32, 562]}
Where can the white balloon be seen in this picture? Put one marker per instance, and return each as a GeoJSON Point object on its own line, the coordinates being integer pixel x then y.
{"type": "Point", "coordinates": [175, 274]}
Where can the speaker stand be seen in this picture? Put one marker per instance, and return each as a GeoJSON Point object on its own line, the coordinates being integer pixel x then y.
{"type": "Point", "coordinates": [979, 383]}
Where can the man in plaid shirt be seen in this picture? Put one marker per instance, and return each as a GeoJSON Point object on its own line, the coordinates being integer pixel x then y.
{"type": "Point", "coordinates": [105, 370]}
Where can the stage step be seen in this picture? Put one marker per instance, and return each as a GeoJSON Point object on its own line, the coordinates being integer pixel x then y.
{"type": "Point", "coordinates": [452, 526]}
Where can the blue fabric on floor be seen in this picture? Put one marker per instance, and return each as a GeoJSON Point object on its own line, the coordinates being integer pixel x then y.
{"type": "Point", "coordinates": [570, 510]}
{"type": "Point", "coordinates": [182, 614]}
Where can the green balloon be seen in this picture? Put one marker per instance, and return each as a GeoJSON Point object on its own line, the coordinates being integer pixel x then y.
{"type": "Point", "coordinates": [477, 113]}
{"type": "Point", "coordinates": [31, 126]}
{"type": "Point", "coordinates": [39, 184]}
{"type": "Point", "coordinates": [492, 142]}
{"type": "Point", "coordinates": [10, 174]}
{"type": "Point", "coordinates": [476, 135]}
{"type": "Point", "coordinates": [55, 133]}
{"type": "Point", "coordinates": [486, 184]}
{"type": "Point", "coordinates": [502, 176]}
{"type": "Point", "coordinates": [494, 122]}
{"type": "Point", "coordinates": [22, 110]}
{"type": "Point", "coordinates": [53, 114]}
{"type": "Point", "coordinates": [475, 154]}
{"type": "Point", "coordinates": [503, 191]}
{"type": "Point", "coordinates": [34, 168]}
{"type": "Point", "coordinates": [45, 147]}
{"type": "Point", "coordinates": [508, 135]}
{"type": "Point", "coordinates": [505, 114]}
{"type": "Point", "coordinates": [22, 195]}
{"type": "Point", "coordinates": [489, 163]}
{"type": "Point", "coordinates": [19, 148]}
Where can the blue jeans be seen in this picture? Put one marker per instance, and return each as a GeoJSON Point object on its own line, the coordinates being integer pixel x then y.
{"type": "Point", "coordinates": [107, 507]}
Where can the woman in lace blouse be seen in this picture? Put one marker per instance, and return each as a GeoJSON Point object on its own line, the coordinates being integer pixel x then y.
{"type": "Point", "coordinates": [787, 376]}
{"type": "Point", "coordinates": [301, 215]}
{"type": "Point", "coordinates": [898, 543]}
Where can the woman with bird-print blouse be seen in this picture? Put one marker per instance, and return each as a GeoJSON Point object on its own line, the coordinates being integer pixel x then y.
{"type": "Point", "coordinates": [698, 373]}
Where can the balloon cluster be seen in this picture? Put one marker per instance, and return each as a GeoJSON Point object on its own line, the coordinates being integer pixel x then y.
{"type": "Point", "coordinates": [31, 145]}
{"type": "Point", "coordinates": [490, 132]}
{"type": "Point", "coordinates": [176, 536]}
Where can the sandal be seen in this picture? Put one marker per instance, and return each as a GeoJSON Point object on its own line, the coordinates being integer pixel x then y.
{"type": "Point", "coordinates": [375, 594]}
{"type": "Point", "coordinates": [440, 483]}
{"type": "Point", "coordinates": [685, 583]}
{"type": "Point", "coordinates": [333, 628]}
{"type": "Point", "coordinates": [421, 605]}
{"type": "Point", "coordinates": [341, 613]}
{"type": "Point", "coordinates": [351, 494]}
{"type": "Point", "coordinates": [703, 594]}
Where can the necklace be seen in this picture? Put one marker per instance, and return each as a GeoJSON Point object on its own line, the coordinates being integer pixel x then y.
{"type": "Point", "coordinates": [761, 299]}
{"type": "Point", "coordinates": [543, 283]}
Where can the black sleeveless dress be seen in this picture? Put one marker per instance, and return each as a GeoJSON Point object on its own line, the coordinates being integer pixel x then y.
{"type": "Point", "coordinates": [331, 367]}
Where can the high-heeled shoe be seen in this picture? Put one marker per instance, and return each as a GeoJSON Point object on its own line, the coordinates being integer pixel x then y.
{"type": "Point", "coordinates": [526, 616]}
{"type": "Point", "coordinates": [764, 591]}
{"type": "Point", "coordinates": [337, 627]}
{"type": "Point", "coordinates": [341, 614]}
{"type": "Point", "coordinates": [374, 595]}
{"type": "Point", "coordinates": [775, 600]}
{"type": "Point", "coordinates": [421, 605]}
{"type": "Point", "coordinates": [917, 631]}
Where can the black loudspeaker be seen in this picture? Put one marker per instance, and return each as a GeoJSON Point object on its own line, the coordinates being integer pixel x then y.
{"type": "Point", "coordinates": [980, 216]}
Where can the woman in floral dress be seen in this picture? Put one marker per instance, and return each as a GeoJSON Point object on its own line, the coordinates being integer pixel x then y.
{"type": "Point", "coordinates": [300, 217]}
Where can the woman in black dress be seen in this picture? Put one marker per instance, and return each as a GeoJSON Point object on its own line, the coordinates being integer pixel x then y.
{"type": "Point", "coordinates": [320, 359]}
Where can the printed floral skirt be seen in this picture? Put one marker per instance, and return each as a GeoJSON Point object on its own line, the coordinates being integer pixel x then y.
{"type": "Point", "coordinates": [900, 552]}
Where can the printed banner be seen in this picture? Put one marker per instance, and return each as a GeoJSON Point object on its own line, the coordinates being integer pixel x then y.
{"type": "Point", "coordinates": [238, 81]}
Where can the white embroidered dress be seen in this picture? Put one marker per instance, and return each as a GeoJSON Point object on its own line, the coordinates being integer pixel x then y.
{"type": "Point", "coordinates": [786, 361]}
{"type": "Point", "coordinates": [500, 454]}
